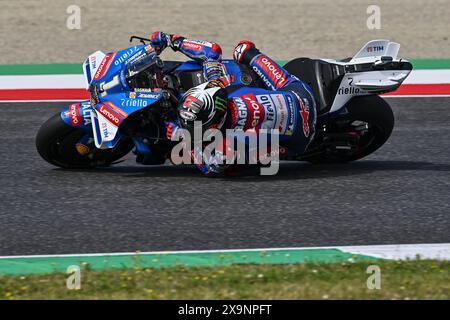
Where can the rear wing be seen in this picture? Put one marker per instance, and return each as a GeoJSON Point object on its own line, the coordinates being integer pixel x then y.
{"type": "Point", "coordinates": [378, 48]}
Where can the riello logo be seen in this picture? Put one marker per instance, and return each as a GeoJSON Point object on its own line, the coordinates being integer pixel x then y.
{"type": "Point", "coordinates": [348, 90]}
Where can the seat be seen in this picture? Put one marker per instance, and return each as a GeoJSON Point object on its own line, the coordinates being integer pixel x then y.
{"type": "Point", "coordinates": [324, 79]}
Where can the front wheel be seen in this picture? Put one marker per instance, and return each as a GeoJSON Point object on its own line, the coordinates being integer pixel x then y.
{"type": "Point", "coordinates": [55, 142]}
{"type": "Point", "coordinates": [365, 128]}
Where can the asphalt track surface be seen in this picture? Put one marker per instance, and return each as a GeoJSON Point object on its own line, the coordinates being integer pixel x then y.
{"type": "Point", "coordinates": [400, 194]}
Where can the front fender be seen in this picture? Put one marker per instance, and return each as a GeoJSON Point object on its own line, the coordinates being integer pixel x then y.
{"type": "Point", "coordinates": [78, 115]}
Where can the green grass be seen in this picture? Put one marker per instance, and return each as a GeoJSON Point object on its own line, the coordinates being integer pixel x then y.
{"type": "Point", "coordinates": [423, 279]}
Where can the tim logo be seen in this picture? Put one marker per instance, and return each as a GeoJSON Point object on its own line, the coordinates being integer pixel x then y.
{"type": "Point", "coordinates": [375, 48]}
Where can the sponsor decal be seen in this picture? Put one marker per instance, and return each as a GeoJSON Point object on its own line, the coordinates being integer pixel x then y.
{"type": "Point", "coordinates": [375, 48]}
{"type": "Point", "coordinates": [143, 90]}
{"type": "Point", "coordinates": [291, 124]}
{"type": "Point", "coordinates": [93, 62]}
{"type": "Point", "coordinates": [348, 89]}
{"type": "Point", "coordinates": [220, 104]}
{"type": "Point", "coordinates": [233, 112]}
{"type": "Point", "coordinates": [116, 109]}
{"type": "Point", "coordinates": [192, 45]}
{"type": "Point", "coordinates": [130, 53]}
{"type": "Point", "coordinates": [238, 51]}
{"type": "Point", "coordinates": [74, 115]}
{"type": "Point", "coordinates": [282, 110]}
{"type": "Point", "coordinates": [132, 95]}
{"type": "Point", "coordinates": [104, 66]}
{"type": "Point", "coordinates": [138, 56]}
{"type": "Point", "coordinates": [276, 75]}
{"type": "Point", "coordinates": [86, 113]}
{"type": "Point", "coordinates": [109, 115]}
{"type": "Point", "coordinates": [149, 95]}
{"type": "Point", "coordinates": [133, 103]}
{"type": "Point", "coordinates": [304, 113]}
{"type": "Point", "coordinates": [255, 111]}
{"type": "Point", "coordinates": [239, 113]}
{"type": "Point", "coordinates": [264, 78]}
{"type": "Point", "coordinates": [270, 117]}
{"type": "Point", "coordinates": [105, 130]}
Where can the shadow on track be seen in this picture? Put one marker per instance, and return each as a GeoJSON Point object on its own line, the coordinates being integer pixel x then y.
{"type": "Point", "coordinates": [287, 171]}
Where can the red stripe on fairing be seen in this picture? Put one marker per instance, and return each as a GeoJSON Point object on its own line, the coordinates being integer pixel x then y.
{"type": "Point", "coordinates": [44, 94]}
{"type": "Point", "coordinates": [421, 89]}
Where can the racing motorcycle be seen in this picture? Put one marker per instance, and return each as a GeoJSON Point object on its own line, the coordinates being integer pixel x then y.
{"type": "Point", "coordinates": [133, 93]}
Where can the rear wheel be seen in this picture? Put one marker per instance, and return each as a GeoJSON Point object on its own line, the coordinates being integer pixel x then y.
{"type": "Point", "coordinates": [365, 128]}
{"type": "Point", "coordinates": [56, 142]}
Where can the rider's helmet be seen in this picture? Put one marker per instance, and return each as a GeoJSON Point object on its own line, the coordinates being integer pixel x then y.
{"type": "Point", "coordinates": [205, 103]}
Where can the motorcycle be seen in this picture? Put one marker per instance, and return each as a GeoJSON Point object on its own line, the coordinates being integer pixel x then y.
{"type": "Point", "coordinates": [133, 93]}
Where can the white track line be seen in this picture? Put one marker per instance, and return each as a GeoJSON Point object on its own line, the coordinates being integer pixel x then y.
{"type": "Point", "coordinates": [394, 251]}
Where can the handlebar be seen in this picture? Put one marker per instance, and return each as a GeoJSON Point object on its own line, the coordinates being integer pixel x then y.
{"type": "Point", "coordinates": [141, 39]}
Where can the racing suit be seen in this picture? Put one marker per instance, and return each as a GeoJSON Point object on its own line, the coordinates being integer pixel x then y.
{"type": "Point", "coordinates": [286, 103]}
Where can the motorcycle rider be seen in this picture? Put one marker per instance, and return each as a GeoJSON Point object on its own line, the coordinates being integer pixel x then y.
{"type": "Point", "coordinates": [286, 103]}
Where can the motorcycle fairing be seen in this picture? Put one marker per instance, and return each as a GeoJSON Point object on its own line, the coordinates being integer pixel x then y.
{"type": "Point", "coordinates": [107, 70]}
{"type": "Point", "coordinates": [107, 116]}
{"type": "Point", "coordinates": [91, 65]}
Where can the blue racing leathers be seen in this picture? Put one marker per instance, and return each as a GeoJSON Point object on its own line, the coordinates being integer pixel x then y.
{"type": "Point", "coordinates": [286, 103]}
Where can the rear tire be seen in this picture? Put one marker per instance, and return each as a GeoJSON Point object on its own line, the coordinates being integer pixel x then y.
{"type": "Point", "coordinates": [55, 142]}
{"type": "Point", "coordinates": [379, 117]}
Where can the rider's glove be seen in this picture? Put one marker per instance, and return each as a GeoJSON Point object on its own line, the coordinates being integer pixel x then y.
{"type": "Point", "coordinates": [159, 41]}
{"type": "Point", "coordinates": [216, 164]}
{"type": "Point", "coordinates": [245, 51]}
{"type": "Point", "coordinates": [171, 129]}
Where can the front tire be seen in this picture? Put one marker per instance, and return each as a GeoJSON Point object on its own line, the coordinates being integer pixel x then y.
{"type": "Point", "coordinates": [55, 142]}
{"type": "Point", "coordinates": [376, 115]}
